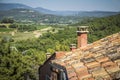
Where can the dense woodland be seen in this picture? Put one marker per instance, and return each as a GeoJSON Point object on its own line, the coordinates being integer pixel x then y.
{"type": "Point", "coordinates": [101, 27]}
{"type": "Point", "coordinates": [21, 59]}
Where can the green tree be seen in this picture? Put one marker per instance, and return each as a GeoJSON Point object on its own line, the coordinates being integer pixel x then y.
{"type": "Point", "coordinates": [7, 20]}
{"type": "Point", "coordinates": [15, 65]}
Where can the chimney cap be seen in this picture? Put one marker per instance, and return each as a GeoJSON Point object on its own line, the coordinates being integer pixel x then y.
{"type": "Point", "coordinates": [83, 26]}
{"type": "Point", "coordinates": [82, 29]}
{"type": "Point", "coordinates": [72, 44]}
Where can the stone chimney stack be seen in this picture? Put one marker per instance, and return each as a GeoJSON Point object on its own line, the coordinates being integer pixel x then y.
{"type": "Point", "coordinates": [82, 36]}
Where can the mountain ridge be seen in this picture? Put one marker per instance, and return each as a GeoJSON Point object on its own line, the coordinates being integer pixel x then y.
{"type": "Point", "coordinates": [9, 6]}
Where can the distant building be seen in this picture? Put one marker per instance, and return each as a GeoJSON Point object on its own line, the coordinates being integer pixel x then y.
{"type": "Point", "coordinates": [99, 60]}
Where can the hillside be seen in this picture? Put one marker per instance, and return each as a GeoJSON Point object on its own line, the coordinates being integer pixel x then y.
{"type": "Point", "coordinates": [9, 6]}
{"type": "Point", "coordinates": [77, 13]}
{"type": "Point", "coordinates": [29, 16]}
{"type": "Point", "coordinates": [25, 14]}
{"type": "Point", "coordinates": [22, 15]}
{"type": "Point", "coordinates": [101, 27]}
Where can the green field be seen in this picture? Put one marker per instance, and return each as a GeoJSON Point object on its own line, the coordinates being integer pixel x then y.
{"type": "Point", "coordinates": [5, 30]}
{"type": "Point", "coordinates": [23, 36]}
{"type": "Point", "coordinates": [18, 36]}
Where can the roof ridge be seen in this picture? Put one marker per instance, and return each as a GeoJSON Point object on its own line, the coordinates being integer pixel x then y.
{"type": "Point", "coordinates": [107, 38]}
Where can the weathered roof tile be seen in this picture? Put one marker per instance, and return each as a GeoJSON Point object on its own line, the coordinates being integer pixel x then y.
{"type": "Point", "coordinates": [99, 73]}
{"type": "Point", "coordinates": [92, 64]}
{"type": "Point", "coordinates": [97, 61]}
{"type": "Point", "coordinates": [103, 59]}
{"type": "Point", "coordinates": [72, 74]}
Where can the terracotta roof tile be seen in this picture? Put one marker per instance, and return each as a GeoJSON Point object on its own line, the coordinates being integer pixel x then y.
{"type": "Point", "coordinates": [92, 64]}
{"type": "Point", "coordinates": [71, 75]}
{"type": "Point", "coordinates": [81, 70]}
{"type": "Point", "coordinates": [99, 73]}
{"type": "Point", "coordinates": [112, 69]}
{"type": "Point", "coordinates": [69, 68]}
{"type": "Point", "coordinates": [97, 55]}
{"type": "Point", "coordinates": [88, 60]}
{"type": "Point", "coordinates": [103, 59]}
{"type": "Point", "coordinates": [82, 74]}
{"type": "Point", "coordinates": [73, 78]}
{"type": "Point", "coordinates": [87, 77]}
{"type": "Point", "coordinates": [97, 61]}
{"type": "Point", "coordinates": [60, 54]}
{"type": "Point", "coordinates": [117, 62]}
{"type": "Point", "coordinates": [108, 64]}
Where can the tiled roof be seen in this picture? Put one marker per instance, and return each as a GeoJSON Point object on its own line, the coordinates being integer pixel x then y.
{"type": "Point", "coordinates": [97, 61]}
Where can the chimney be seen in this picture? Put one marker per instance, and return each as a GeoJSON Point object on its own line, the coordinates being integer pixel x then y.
{"type": "Point", "coordinates": [72, 47]}
{"type": "Point", "coordinates": [82, 36]}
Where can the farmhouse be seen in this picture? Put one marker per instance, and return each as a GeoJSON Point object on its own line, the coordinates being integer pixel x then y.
{"type": "Point", "coordinates": [99, 60]}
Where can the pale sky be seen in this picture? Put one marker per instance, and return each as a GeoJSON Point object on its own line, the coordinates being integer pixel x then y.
{"type": "Point", "coordinates": [71, 5]}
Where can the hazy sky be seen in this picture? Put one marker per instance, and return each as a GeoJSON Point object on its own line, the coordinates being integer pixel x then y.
{"type": "Point", "coordinates": [72, 5]}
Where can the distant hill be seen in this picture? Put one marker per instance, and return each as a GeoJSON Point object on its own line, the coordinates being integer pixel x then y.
{"type": "Point", "coordinates": [9, 6]}
{"type": "Point", "coordinates": [78, 13]}
{"type": "Point", "coordinates": [31, 16]}
{"type": "Point", "coordinates": [43, 10]}
{"type": "Point", "coordinates": [96, 13]}
{"type": "Point", "coordinates": [24, 15]}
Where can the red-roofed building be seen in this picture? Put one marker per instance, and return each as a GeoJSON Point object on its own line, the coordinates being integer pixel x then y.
{"type": "Point", "coordinates": [96, 61]}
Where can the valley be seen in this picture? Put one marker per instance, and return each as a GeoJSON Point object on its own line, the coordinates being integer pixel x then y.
{"type": "Point", "coordinates": [28, 34]}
